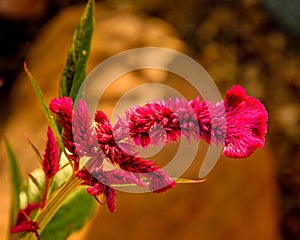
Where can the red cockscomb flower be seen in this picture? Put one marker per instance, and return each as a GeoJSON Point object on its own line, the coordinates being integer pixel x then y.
{"type": "Point", "coordinates": [239, 123]}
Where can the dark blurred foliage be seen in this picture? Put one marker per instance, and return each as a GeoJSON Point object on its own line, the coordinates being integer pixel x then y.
{"type": "Point", "coordinates": [17, 33]}
{"type": "Point", "coordinates": [286, 13]}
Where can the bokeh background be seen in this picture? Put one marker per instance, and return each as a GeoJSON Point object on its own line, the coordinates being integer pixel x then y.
{"type": "Point", "coordinates": [252, 43]}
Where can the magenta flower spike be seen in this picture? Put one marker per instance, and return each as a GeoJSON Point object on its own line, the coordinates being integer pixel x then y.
{"type": "Point", "coordinates": [84, 136]}
{"type": "Point", "coordinates": [50, 163]}
{"type": "Point", "coordinates": [63, 109]}
{"type": "Point", "coordinates": [240, 129]}
{"type": "Point", "coordinates": [50, 160]}
{"type": "Point", "coordinates": [83, 143]}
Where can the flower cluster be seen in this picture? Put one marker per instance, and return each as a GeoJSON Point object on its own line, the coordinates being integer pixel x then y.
{"type": "Point", "coordinates": [239, 123]}
{"type": "Point", "coordinates": [82, 138]}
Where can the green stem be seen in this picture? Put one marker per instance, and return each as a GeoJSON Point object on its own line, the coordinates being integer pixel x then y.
{"type": "Point", "coordinates": [44, 216]}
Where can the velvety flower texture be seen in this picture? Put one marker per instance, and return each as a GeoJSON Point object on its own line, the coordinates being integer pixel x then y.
{"type": "Point", "coordinates": [97, 188]}
{"type": "Point", "coordinates": [81, 139]}
{"type": "Point", "coordinates": [159, 180]}
{"type": "Point", "coordinates": [51, 157]}
{"type": "Point", "coordinates": [78, 120]}
{"type": "Point", "coordinates": [63, 108]}
{"type": "Point", "coordinates": [239, 122]}
{"type": "Point", "coordinates": [246, 123]}
{"type": "Point", "coordinates": [99, 182]}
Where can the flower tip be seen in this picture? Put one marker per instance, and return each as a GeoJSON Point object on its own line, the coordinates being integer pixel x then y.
{"type": "Point", "coordinates": [26, 226]}
{"type": "Point", "coordinates": [163, 189]}
{"type": "Point", "coordinates": [246, 123]}
{"type": "Point", "coordinates": [110, 199]}
{"type": "Point", "coordinates": [235, 95]}
{"type": "Point", "coordinates": [61, 105]}
{"type": "Point", "coordinates": [25, 66]}
{"type": "Point", "coordinates": [237, 89]}
{"type": "Point", "coordinates": [100, 116]}
{"type": "Point", "coordinates": [161, 182]}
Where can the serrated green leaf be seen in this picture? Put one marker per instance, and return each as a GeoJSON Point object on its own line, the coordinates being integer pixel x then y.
{"type": "Point", "coordinates": [75, 69]}
{"type": "Point", "coordinates": [72, 215]}
{"type": "Point", "coordinates": [16, 183]}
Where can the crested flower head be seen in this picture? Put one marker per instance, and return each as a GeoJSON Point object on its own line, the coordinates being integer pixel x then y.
{"type": "Point", "coordinates": [246, 123]}
{"type": "Point", "coordinates": [239, 122]}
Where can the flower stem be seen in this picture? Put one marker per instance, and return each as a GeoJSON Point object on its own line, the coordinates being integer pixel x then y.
{"type": "Point", "coordinates": [44, 216]}
{"type": "Point", "coordinates": [45, 195]}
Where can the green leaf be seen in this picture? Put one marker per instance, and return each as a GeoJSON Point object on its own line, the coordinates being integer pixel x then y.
{"type": "Point", "coordinates": [45, 108]}
{"type": "Point", "coordinates": [75, 70]}
{"type": "Point", "coordinates": [72, 215]}
{"type": "Point", "coordinates": [16, 183]}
